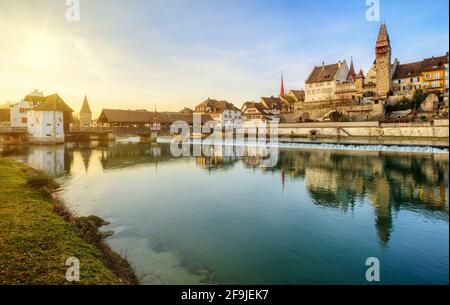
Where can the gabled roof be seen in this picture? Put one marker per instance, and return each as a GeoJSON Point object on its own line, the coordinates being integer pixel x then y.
{"type": "Point", "coordinates": [271, 102]}
{"type": "Point", "coordinates": [408, 70]}
{"type": "Point", "coordinates": [34, 99]}
{"type": "Point", "coordinates": [187, 110]}
{"type": "Point", "coordinates": [85, 107]}
{"type": "Point", "coordinates": [416, 68]}
{"type": "Point", "coordinates": [53, 103]}
{"type": "Point", "coordinates": [429, 64]}
{"type": "Point", "coordinates": [299, 94]}
{"type": "Point", "coordinates": [323, 73]}
{"type": "Point", "coordinates": [259, 107]}
{"type": "Point", "coordinates": [216, 106]}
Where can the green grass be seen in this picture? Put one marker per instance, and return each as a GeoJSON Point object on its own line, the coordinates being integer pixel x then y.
{"type": "Point", "coordinates": [35, 241]}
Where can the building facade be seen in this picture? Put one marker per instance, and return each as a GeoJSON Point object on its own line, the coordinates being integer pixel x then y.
{"type": "Point", "coordinates": [225, 114]}
{"type": "Point", "coordinates": [18, 111]}
{"type": "Point", "coordinates": [48, 122]}
{"type": "Point", "coordinates": [430, 75]}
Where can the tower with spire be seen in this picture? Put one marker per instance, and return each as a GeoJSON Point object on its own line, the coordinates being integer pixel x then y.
{"type": "Point", "coordinates": [351, 74]}
{"type": "Point", "coordinates": [383, 57]}
{"type": "Point", "coordinates": [85, 114]}
{"type": "Point", "coordinates": [282, 92]}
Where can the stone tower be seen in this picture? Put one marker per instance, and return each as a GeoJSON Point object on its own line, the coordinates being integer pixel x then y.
{"type": "Point", "coordinates": [383, 54]}
{"type": "Point", "coordinates": [85, 114]}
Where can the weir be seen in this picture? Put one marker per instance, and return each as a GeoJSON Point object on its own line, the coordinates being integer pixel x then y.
{"type": "Point", "coordinates": [320, 146]}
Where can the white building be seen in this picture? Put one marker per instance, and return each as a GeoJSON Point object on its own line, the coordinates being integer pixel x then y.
{"type": "Point", "coordinates": [48, 121]}
{"type": "Point", "coordinates": [224, 113]}
{"type": "Point", "coordinates": [18, 111]}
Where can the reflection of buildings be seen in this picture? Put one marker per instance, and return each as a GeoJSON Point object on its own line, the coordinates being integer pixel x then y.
{"type": "Point", "coordinates": [335, 180]}
{"type": "Point", "coordinates": [50, 159]}
{"type": "Point", "coordinates": [340, 179]}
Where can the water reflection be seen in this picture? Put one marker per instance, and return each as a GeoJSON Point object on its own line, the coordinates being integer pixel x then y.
{"type": "Point", "coordinates": [333, 179]}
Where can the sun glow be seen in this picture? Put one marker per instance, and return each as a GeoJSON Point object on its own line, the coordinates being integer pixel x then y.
{"type": "Point", "coordinates": [40, 50]}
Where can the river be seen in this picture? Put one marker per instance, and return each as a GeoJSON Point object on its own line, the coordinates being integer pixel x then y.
{"type": "Point", "coordinates": [313, 218]}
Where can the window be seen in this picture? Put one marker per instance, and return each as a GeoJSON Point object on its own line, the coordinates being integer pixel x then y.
{"type": "Point", "coordinates": [22, 110]}
{"type": "Point", "coordinates": [428, 76]}
{"type": "Point", "coordinates": [24, 120]}
{"type": "Point", "coordinates": [436, 76]}
{"type": "Point", "coordinates": [48, 124]}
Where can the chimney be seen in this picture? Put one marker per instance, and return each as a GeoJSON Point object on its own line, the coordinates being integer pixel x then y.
{"type": "Point", "coordinates": [323, 66]}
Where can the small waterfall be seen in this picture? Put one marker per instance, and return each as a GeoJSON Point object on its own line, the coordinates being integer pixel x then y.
{"type": "Point", "coordinates": [323, 146]}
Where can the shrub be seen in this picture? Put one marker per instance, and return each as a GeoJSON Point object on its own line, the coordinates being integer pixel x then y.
{"type": "Point", "coordinates": [39, 180]}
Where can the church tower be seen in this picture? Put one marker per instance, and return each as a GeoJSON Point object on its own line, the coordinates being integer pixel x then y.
{"type": "Point", "coordinates": [85, 114]}
{"type": "Point", "coordinates": [282, 92]}
{"type": "Point", "coordinates": [383, 54]}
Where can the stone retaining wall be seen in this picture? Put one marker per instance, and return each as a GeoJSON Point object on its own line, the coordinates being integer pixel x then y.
{"type": "Point", "coordinates": [438, 129]}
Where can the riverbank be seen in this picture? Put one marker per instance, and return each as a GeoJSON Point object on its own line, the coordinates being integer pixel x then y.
{"type": "Point", "coordinates": [38, 234]}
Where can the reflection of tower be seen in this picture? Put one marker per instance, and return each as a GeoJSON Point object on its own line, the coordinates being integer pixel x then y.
{"type": "Point", "coordinates": [86, 156]}
{"type": "Point", "coordinates": [283, 179]}
{"type": "Point", "coordinates": [380, 198]}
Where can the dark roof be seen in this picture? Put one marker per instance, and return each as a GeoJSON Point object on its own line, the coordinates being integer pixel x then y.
{"type": "Point", "coordinates": [260, 107]}
{"type": "Point", "coordinates": [432, 63]}
{"type": "Point", "coordinates": [216, 106]}
{"type": "Point", "coordinates": [4, 115]}
{"type": "Point", "coordinates": [85, 107]}
{"type": "Point", "coordinates": [323, 73]}
{"type": "Point", "coordinates": [299, 94]}
{"type": "Point", "coordinates": [272, 102]}
{"type": "Point", "coordinates": [416, 68]}
{"type": "Point", "coordinates": [187, 110]}
{"type": "Point", "coordinates": [408, 70]}
{"type": "Point", "coordinates": [146, 117]}
{"type": "Point", "coordinates": [34, 98]}
{"type": "Point", "coordinates": [53, 103]}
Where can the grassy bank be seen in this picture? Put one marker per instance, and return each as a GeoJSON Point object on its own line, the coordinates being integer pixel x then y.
{"type": "Point", "coordinates": [38, 235]}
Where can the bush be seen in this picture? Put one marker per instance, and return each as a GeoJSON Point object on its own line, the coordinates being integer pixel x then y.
{"type": "Point", "coordinates": [39, 180]}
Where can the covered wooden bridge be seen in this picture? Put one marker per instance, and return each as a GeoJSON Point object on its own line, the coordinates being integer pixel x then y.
{"type": "Point", "coordinates": [143, 122]}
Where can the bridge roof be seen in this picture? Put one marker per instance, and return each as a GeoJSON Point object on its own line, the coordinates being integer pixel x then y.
{"type": "Point", "coordinates": [146, 117]}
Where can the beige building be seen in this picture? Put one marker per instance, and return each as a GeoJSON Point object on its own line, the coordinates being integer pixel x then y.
{"type": "Point", "coordinates": [321, 82]}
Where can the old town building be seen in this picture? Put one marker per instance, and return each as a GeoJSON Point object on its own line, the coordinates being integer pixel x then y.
{"type": "Point", "coordinates": [223, 112]}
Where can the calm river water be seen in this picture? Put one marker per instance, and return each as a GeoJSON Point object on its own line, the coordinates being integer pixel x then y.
{"type": "Point", "coordinates": [313, 219]}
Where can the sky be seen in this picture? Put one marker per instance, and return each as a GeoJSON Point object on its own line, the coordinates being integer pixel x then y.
{"type": "Point", "coordinates": [138, 54]}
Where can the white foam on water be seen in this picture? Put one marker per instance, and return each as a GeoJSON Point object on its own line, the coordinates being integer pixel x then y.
{"type": "Point", "coordinates": [324, 146]}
